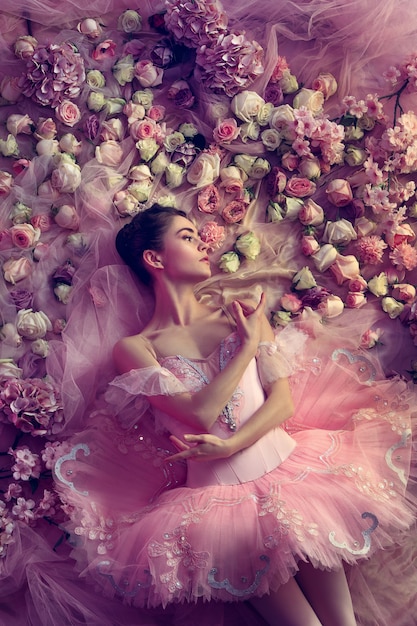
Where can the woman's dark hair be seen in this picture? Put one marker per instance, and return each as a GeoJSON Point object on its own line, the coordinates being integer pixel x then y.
{"type": "Point", "coordinates": [145, 232]}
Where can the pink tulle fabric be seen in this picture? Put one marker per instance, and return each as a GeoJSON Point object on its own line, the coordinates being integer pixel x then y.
{"type": "Point", "coordinates": [341, 394]}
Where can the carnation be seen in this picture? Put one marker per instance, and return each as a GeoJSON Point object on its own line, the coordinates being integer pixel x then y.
{"type": "Point", "coordinates": [371, 249]}
{"type": "Point", "coordinates": [404, 256]}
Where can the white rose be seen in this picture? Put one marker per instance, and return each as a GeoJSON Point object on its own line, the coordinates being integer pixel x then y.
{"type": "Point", "coordinates": [130, 21]}
{"type": "Point", "coordinates": [124, 70]}
{"type": "Point", "coordinates": [70, 144]}
{"type": "Point", "coordinates": [96, 101]}
{"type": "Point", "coordinates": [125, 203]}
{"type": "Point", "coordinates": [9, 369]}
{"type": "Point", "coordinates": [9, 335]}
{"type": "Point", "coordinates": [204, 170]}
{"type": "Point", "coordinates": [304, 279]}
{"type": "Point", "coordinates": [325, 257]}
{"type": "Point", "coordinates": [140, 173]}
{"type": "Point", "coordinates": [147, 148]}
{"type": "Point", "coordinates": [188, 130]}
{"type": "Point", "coordinates": [173, 140]}
{"type": "Point", "coordinates": [95, 79]}
{"type": "Point", "coordinates": [282, 120]}
{"type": "Point", "coordinates": [247, 105]}
{"type": "Point", "coordinates": [260, 168]}
{"type": "Point", "coordinates": [159, 164]}
{"type": "Point", "coordinates": [339, 232]}
{"type": "Point", "coordinates": [244, 161]}
{"type": "Point", "coordinates": [310, 99]}
{"type": "Point", "coordinates": [141, 191]}
{"type": "Point", "coordinates": [392, 307]}
{"type": "Point", "coordinates": [168, 199]}
{"type": "Point", "coordinates": [265, 113]}
{"type": "Point", "coordinates": [288, 82]}
{"type": "Point", "coordinates": [378, 285]}
{"type": "Point", "coordinates": [66, 178]}
{"type": "Point", "coordinates": [249, 130]}
{"type": "Point", "coordinates": [174, 175]}
{"type": "Point", "coordinates": [40, 347]}
{"type": "Point", "coordinates": [271, 139]}
{"type": "Point", "coordinates": [9, 146]}
{"type": "Point", "coordinates": [32, 324]}
{"type": "Point", "coordinates": [63, 292]}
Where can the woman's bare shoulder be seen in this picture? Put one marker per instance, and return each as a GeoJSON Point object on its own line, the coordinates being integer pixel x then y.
{"type": "Point", "coordinates": [133, 352]}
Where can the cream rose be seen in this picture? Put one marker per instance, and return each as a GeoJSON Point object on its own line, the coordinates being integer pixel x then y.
{"type": "Point", "coordinates": [174, 175]}
{"type": "Point", "coordinates": [17, 124]}
{"type": "Point", "coordinates": [32, 324]}
{"type": "Point", "coordinates": [159, 163]}
{"type": "Point", "coordinates": [331, 307]}
{"type": "Point", "coordinates": [130, 21]}
{"type": "Point", "coordinates": [248, 245]}
{"type": "Point", "coordinates": [324, 257]}
{"type": "Point", "coordinates": [229, 262]}
{"type": "Point", "coordinates": [288, 82]}
{"type": "Point", "coordinates": [124, 70]}
{"type": "Point", "coordinates": [260, 168]}
{"type": "Point", "coordinates": [109, 153]}
{"type": "Point", "coordinates": [140, 190]}
{"type": "Point", "coordinates": [204, 170]}
{"type": "Point", "coordinates": [326, 83]}
{"type": "Point", "coordinates": [392, 307]}
{"type": "Point", "coordinates": [271, 139]}
{"type": "Point", "coordinates": [339, 192]}
{"type": "Point", "coordinates": [66, 178]}
{"type": "Point", "coordinates": [340, 232]}
{"type": "Point", "coordinates": [96, 101]}
{"type": "Point", "coordinates": [95, 79]}
{"type": "Point", "coordinates": [125, 203]}
{"type": "Point", "coordinates": [311, 213]}
{"type": "Point", "coordinates": [9, 369]}
{"type": "Point", "coordinates": [245, 162]}
{"type": "Point", "coordinates": [378, 285]}
{"type": "Point", "coordinates": [304, 279]}
{"type": "Point", "coordinates": [147, 148]}
{"type": "Point", "coordinates": [247, 105]}
{"type": "Point", "coordinates": [40, 347]}
{"type": "Point", "coordinates": [9, 147]}
{"type": "Point", "coordinates": [45, 128]}
{"type": "Point", "coordinates": [345, 268]}
{"type": "Point", "coordinates": [25, 46]}
{"type": "Point", "coordinates": [310, 99]}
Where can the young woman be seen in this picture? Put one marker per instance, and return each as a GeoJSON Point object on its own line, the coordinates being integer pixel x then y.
{"type": "Point", "coordinates": [261, 516]}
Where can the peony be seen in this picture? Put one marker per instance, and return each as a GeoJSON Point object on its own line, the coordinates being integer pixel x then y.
{"type": "Point", "coordinates": [300, 187]}
{"type": "Point", "coordinates": [324, 257]}
{"type": "Point", "coordinates": [392, 307]}
{"type": "Point", "coordinates": [204, 170]}
{"type": "Point", "coordinates": [32, 324]}
{"type": "Point", "coordinates": [195, 23]}
{"type": "Point", "coordinates": [226, 131]}
{"type": "Point", "coordinates": [234, 212]}
{"type": "Point", "coordinates": [212, 234]}
{"type": "Point", "coordinates": [404, 256]}
{"type": "Point", "coordinates": [15, 270]}
{"type": "Point", "coordinates": [148, 74]}
{"type": "Point", "coordinates": [130, 21]}
{"type": "Point", "coordinates": [345, 268]}
{"type": "Point", "coordinates": [310, 99]}
{"type": "Point", "coordinates": [109, 153]}
{"type": "Point", "coordinates": [340, 232]}
{"type": "Point", "coordinates": [247, 105]}
{"type": "Point", "coordinates": [339, 192]}
{"type": "Point", "coordinates": [67, 177]}
{"type": "Point", "coordinates": [304, 279]}
{"type": "Point", "coordinates": [248, 245]}
{"type": "Point", "coordinates": [24, 235]}
{"type": "Point", "coordinates": [330, 307]}
{"type": "Point", "coordinates": [229, 262]}
{"type": "Point", "coordinates": [208, 199]}
{"type": "Point", "coordinates": [66, 217]}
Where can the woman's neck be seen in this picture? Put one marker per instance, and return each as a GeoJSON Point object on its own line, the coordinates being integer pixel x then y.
{"type": "Point", "coordinates": [176, 306]}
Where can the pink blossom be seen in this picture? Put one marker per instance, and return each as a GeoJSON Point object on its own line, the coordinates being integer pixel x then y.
{"type": "Point", "coordinates": [212, 234]}
{"type": "Point", "coordinates": [27, 464]}
{"type": "Point", "coordinates": [371, 249]}
{"type": "Point", "coordinates": [104, 50]}
{"type": "Point", "coordinates": [23, 510]}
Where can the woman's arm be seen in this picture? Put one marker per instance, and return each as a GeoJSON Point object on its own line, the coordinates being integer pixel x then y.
{"type": "Point", "coordinates": [277, 408]}
{"type": "Point", "coordinates": [201, 409]}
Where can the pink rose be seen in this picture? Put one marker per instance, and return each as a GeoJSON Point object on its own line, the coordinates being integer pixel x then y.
{"type": "Point", "coordinates": [148, 74]}
{"type": "Point", "coordinates": [68, 113]}
{"type": "Point", "coordinates": [156, 112]}
{"type": "Point", "coordinates": [15, 270]}
{"type": "Point", "coordinates": [311, 213]}
{"type": "Point", "coordinates": [326, 83]}
{"type": "Point", "coordinates": [339, 192]}
{"type": "Point", "coordinates": [357, 284]}
{"type": "Point", "coordinates": [67, 217]}
{"type": "Point", "coordinates": [310, 168]}
{"type": "Point", "coordinates": [309, 245]}
{"type": "Point", "coordinates": [234, 212]}
{"type": "Point", "coordinates": [300, 187]}
{"type": "Point", "coordinates": [104, 50]}
{"type": "Point", "coordinates": [345, 268]}
{"type": "Point", "coordinates": [355, 299]}
{"type": "Point", "coordinates": [208, 199]}
{"type": "Point", "coordinates": [109, 153]}
{"type": "Point", "coordinates": [43, 221]}
{"type": "Point", "coordinates": [6, 182]}
{"type": "Point", "coordinates": [204, 169]}
{"type": "Point", "coordinates": [370, 338]}
{"type": "Point", "coordinates": [404, 292]}
{"type": "Point", "coordinates": [40, 251]}
{"type": "Point", "coordinates": [20, 166]}
{"type": "Point", "coordinates": [290, 302]}
{"type": "Point", "coordinates": [25, 46]}
{"type": "Point", "coordinates": [24, 235]}
{"type": "Point", "coordinates": [325, 257]}
{"type": "Point", "coordinates": [226, 131]}
{"type": "Point", "coordinates": [142, 129]}
{"type": "Point", "coordinates": [212, 234]}
{"type": "Point", "coordinates": [134, 111]}
{"type": "Point", "coordinates": [394, 275]}
{"type": "Point", "coordinates": [332, 306]}
{"type": "Point", "coordinates": [70, 144]}
{"type": "Point", "coordinates": [45, 128]}
{"type": "Point", "coordinates": [290, 161]}
{"type": "Point", "coordinates": [399, 234]}
{"type": "Point", "coordinates": [46, 190]}
{"type": "Point", "coordinates": [17, 124]}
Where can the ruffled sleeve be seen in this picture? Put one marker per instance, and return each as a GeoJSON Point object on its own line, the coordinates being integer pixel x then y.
{"type": "Point", "coordinates": [127, 394]}
{"type": "Point", "coordinates": [279, 358]}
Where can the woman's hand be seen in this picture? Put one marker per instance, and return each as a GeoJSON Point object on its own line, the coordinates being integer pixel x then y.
{"type": "Point", "coordinates": [249, 321]}
{"type": "Point", "coordinates": [203, 447]}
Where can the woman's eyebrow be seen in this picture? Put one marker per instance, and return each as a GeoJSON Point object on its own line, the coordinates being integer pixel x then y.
{"type": "Point", "coordinates": [187, 229]}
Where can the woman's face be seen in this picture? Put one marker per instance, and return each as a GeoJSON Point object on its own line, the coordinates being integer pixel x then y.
{"type": "Point", "coordinates": [184, 257]}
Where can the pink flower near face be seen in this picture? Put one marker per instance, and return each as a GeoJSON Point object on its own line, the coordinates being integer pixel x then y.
{"type": "Point", "coordinates": [24, 235]}
{"type": "Point", "coordinates": [300, 187]}
{"type": "Point", "coordinates": [109, 153]}
{"type": "Point", "coordinates": [68, 113]}
{"type": "Point", "coordinates": [6, 182]}
{"type": "Point", "coordinates": [212, 234]}
{"type": "Point", "coordinates": [67, 217]}
{"type": "Point", "coordinates": [356, 299]}
{"type": "Point", "coordinates": [311, 213]}
{"type": "Point", "coordinates": [105, 50]}
{"type": "Point", "coordinates": [226, 131]}
{"type": "Point", "coordinates": [345, 268]}
{"type": "Point", "coordinates": [15, 270]}
{"type": "Point", "coordinates": [148, 74]}
{"type": "Point", "coordinates": [339, 192]}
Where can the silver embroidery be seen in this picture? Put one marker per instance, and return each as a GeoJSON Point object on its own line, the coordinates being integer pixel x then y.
{"type": "Point", "coordinates": [123, 591]}
{"type": "Point", "coordinates": [357, 551]}
{"type": "Point", "coordinates": [71, 456]}
{"type": "Point", "coordinates": [365, 366]}
{"type": "Point", "coordinates": [239, 593]}
{"type": "Point", "coordinates": [388, 457]}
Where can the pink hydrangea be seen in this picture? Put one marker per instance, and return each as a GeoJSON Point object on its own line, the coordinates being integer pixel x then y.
{"type": "Point", "coordinates": [196, 23]}
{"type": "Point", "coordinates": [54, 73]}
